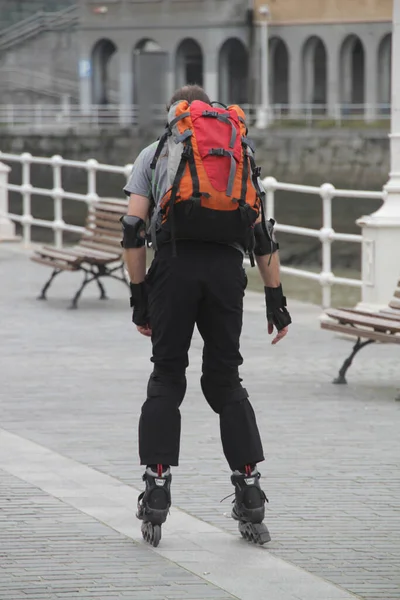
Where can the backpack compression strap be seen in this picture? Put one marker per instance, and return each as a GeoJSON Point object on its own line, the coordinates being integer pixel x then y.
{"type": "Point", "coordinates": [165, 136]}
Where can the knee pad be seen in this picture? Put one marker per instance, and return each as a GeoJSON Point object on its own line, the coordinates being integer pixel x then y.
{"type": "Point", "coordinates": [265, 241]}
{"type": "Point", "coordinates": [134, 232]}
{"type": "Point", "coordinates": [220, 393]}
{"type": "Point", "coordinates": [167, 387]}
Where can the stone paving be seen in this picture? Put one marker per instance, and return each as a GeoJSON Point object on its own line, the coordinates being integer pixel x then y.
{"type": "Point", "coordinates": [74, 381]}
{"type": "Point", "coordinates": [50, 550]}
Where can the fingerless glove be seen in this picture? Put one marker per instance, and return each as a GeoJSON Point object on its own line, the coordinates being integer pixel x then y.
{"type": "Point", "coordinates": [140, 314]}
{"type": "Point", "coordinates": [277, 314]}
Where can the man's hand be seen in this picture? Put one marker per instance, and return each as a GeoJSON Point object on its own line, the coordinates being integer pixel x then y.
{"type": "Point", "coordinates": [281, 333]}
{"type": "Point", "coordinates": [144, 330]}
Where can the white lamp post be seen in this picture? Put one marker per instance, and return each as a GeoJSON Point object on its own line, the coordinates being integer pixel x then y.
{"type": "Point", "coordinates": [263, 113]}
{"type": "Point", "coordinates": [381, 230]}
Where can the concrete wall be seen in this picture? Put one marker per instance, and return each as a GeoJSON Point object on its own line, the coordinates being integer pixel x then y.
{"type": "Point", "coordinates": [358, 159]}
{"type": "Point", "coordinates": [41, 70]}
{"type": "Point", "coordinates": [328, 11]}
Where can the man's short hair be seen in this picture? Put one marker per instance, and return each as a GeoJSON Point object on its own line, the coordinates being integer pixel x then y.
{"type": "Point", "coordinates": [189, 93]}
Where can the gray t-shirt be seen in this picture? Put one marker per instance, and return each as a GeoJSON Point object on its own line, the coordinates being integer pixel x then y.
{"type": "Point", "coordinates": [153, 183]}
{"type": "Point", "coordinates": [145, 181]}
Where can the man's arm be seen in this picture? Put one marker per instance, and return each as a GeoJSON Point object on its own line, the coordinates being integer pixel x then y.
{"type": "Point", "coordinates": [269, 267]}
{"type": "Point", "coordinates": [267, 257]}
{"type": "Point", "coordinates": [135, 258]}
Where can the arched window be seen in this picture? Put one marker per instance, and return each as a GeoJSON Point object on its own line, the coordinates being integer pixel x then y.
{"type": "Point", "coordinates": [189, 63]}
{"type": "Point", "coordinates": [353, 72]}
{"type": "Point", "coordinates": [104, 86]}
{"type": "Point", "coordinates": [233, 73]}
{"type": "Point", "coordinates": [279, 71]}
{"type": "Point", "coordinates": [314, 72]}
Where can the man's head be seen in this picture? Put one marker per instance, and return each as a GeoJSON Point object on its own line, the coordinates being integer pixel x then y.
{"type": "Point", "coordinates": [189, 93]}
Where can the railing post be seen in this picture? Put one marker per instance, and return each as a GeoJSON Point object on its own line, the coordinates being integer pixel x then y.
{"type": "Point", "coordinates": [7, 227]}
{"type": "Point", "coordinates": [269, 184]}
{"type": "Point", "coordinates": [327, 193]}
{"type": "Point", "coordinates": [92, 196]}
{"type": "Point", "coordinates": [26, 197]}
{"type": "Point", "coordinates": [58, 224]}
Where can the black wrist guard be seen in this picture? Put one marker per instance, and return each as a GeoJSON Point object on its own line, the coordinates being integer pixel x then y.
{"type": "Point", "coordinates": [139, 304]}
{"type": "Point", "coordinates": [277, 313]}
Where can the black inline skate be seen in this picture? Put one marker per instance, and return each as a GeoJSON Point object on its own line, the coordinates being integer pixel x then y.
{"type": "Point", "coordinates": [249, 505]}
{"type": "Point", "coordinates": [154, 502]}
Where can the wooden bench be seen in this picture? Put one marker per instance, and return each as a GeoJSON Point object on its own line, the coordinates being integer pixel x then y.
{"type": "Point", "coordinates": [98, 254]}
{"type": "Point", "coordinates": [368, 327]}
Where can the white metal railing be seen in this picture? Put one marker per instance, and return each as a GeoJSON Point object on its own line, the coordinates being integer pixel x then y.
{"type": "Point", "coordinates": [62, 115]}
{"type": "Point", "coordinates": [326, 192]}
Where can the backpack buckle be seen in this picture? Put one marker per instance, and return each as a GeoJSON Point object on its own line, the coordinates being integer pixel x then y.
{"type": "Point", "coordinates": [218, 152]}
{"type": "Point", "coordinates": [210, 113]}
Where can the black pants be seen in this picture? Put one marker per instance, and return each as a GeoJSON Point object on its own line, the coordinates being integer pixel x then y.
{"type": "Point", "coordinates": [204, 286]}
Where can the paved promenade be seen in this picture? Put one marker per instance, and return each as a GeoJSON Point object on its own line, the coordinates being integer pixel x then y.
{"type": "Point", "coordinates": [71, 387]}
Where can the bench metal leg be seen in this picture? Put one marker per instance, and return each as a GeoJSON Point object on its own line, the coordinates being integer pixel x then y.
{"type": "Point", "coordinates": [87, 279]}
{"type": "Point", "coordinates": [103, 294]}
{"type": "Point", "coordinates": [341, 378]}
{"type": "Point", "coordinates": [42, 295]}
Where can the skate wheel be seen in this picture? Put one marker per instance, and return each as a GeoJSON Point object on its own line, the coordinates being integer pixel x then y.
{"type": "Point", "coordinates": [257, 533]}
{"type": "Point", "coordinates": [151, 533]}
{"type": "Point", "coordinates": [156, 535]}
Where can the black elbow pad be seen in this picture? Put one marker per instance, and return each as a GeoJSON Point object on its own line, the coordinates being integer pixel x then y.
{"type": "Point", "coordinates": [265, 242]}
{"type": "Point", "coordinates": [134, 232]}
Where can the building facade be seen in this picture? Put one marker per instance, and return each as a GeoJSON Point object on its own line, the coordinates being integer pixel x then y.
{"type": "Point", "coordinates": [333, 55]}
{"type": "Point", "coordinates": [326, 52]}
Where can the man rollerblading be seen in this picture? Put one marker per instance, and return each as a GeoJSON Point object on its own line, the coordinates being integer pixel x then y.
{"type": "Point", "coordinates": [197, 196]}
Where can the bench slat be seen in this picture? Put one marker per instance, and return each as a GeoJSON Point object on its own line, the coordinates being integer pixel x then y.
{"type": "Point", "coordinates": [395, 304]}
{"type": "Point", "coordinates": [95, 254]}
{"type": "Point", "coordinates": [54, 264]}
{"type": "Point", "coordinates": [80, 252]}
{"type": "Point", "coordinates": [102, 223]}
{"type": "Point", "coordinates": [58, 254]}
{"type": "Point", "coordinates": [374, 320]}
{"type": "Point", "coordinates": [389, 312]}
{"type": "Point", "coordinates": [114, 247]}
{"type": "Point", "coordinates": [385, 314]}
{"type": "Point", "coordinates": [86, 243]}
{"type": "Point", "coordinates": [361, 333]}
{"type": "Point", "coordinates": [108, 216]}
{"type": "Point", "coordinates": [111, 208]}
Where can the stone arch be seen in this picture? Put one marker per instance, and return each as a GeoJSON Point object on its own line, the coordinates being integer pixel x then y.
{"type": "Point", "coordinates": [278, 71]}
{"type": "Point", "coordinates": [103, 84]}
{"type": "Point", "coordinates": [233, 68]}
{"type": "Point", "coordinates": [385, 73]}
{"type": "Point", "coordinates": [352, 62]}
{"type": "Point", "coordinates": [189, 63]}
{"type": "Point", "coordinates": [314, 72]}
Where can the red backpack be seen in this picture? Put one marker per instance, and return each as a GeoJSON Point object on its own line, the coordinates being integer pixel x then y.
{"type": "Point", "coordinates": [214, 192]}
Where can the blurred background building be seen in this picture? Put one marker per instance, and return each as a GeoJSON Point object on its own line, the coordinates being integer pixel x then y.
{"type": "Point", "coordinates": [322, 53]}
